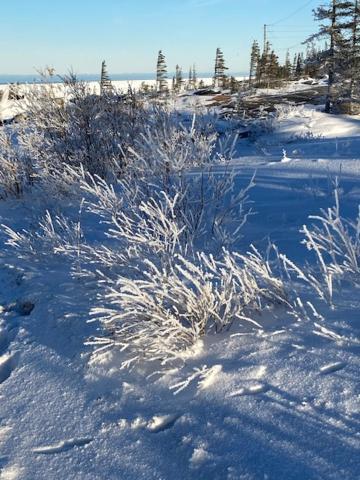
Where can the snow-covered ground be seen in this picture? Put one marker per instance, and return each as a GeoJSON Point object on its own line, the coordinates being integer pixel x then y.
{"type": "Point", "coordinates": [279, 403]}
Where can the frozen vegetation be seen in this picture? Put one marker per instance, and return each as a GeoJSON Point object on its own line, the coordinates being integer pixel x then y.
{"type": "Point", "coordinates": [179, 289]}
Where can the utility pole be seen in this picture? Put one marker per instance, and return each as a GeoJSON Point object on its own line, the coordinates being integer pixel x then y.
{"type": "Point", "coordinates": [265, 36]}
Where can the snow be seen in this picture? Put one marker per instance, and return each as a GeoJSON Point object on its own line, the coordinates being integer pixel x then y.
{"type": "Point", "coordinates": [279, 403]}
{"type": "Point", "coordinates": [10, 108]}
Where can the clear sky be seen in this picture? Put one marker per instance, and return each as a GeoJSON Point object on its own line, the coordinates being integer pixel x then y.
{"type": "Point", "coordinates": [79, 34]}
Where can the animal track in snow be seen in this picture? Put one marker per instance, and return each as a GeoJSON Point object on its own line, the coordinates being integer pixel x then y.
{"type": "Point", "coordinates": [63, 446]}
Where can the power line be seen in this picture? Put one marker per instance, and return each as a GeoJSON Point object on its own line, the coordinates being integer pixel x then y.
{"type": "Point", "coordinates": [292, 14]}
{"type": "Point", "coordinates": [291, 47]}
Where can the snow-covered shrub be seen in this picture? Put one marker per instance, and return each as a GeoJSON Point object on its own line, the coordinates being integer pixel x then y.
{"type": "Point", "coordinates": [265, 124]}
{"type": "Point", "coordinates": [69, 124]}
{"type": "Point", "coordinates": [165, 311]}
{"type": "Point", "coordinates": [336, 244]}
{"type": "Point", "coordinates": [167, 147]}
{"type": "Point", "coordinates": [52, 235]}
{"type": "Point", "coordinates": [214, 208]}
{"type": "Point", "coordinates": [16, 171]}
{"type": "Point", "coordinates": [209, 207]}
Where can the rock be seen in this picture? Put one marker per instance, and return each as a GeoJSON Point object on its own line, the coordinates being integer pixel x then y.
{"type": "Point", "coordinates": [21, 307]}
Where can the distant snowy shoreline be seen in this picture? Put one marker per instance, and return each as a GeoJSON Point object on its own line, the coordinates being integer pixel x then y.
{"type": "Point", "coordinates": [146, 77]}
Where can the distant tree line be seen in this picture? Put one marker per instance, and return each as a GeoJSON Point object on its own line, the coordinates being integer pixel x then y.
{"type": "Point", "coordinates": [337, 56]}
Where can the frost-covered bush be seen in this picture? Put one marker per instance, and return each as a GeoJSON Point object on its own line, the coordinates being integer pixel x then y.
{"type": "Point", "coordinates": [68, 124]}
{"type": "Point", "coordinates": [167, 147]}
{"type": "Point", "coordinates": [52, 235]}
{"type": "Point", "coordinates": [16, 171]}
{"type": "Point", "coordinates": [160, 295]}
{"type": "Point", "coordinates": [68, 127]}
{"type": "Point", "coordinates": [155, 291]}
{"type": "Point", "coordinates": [209, 208]}
{"type": "Point", "coordinates": [265, 124]}
{"type": "Point", "coordinates": [336, 244]}
{"type": "Point", "coordinates": [165, 311]}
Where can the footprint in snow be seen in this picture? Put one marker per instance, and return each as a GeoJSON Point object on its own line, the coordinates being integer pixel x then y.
{"type": "Point", "coordinates": [252, 390]}
{"type": "Point", "coordinates": [63, 446]}
{"type": "Point", "coordinates": [4, 340]}
{"type": "Point", "coordinates": [332, 367]}
{"type": "Point", "coordinates": [8, 363]}
{"type": "Point", "coordinates": [159, 423]}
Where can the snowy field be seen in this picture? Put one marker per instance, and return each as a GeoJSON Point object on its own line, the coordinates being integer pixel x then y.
{"type": "Point", "coordinates": [275, 402]}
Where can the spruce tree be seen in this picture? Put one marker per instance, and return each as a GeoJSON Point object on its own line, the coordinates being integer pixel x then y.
{"type": "Point", "coordinates": [254, 61]}
{"type": "Point", "coordinates": [190, 80]}
{"type": "Point", "coordinates": [293, 68]}
{"type": "Point", "coordinates": [233, 85]}
{"type": "Point", "coordinates": [220, 77]}
{"type": "Point", "coordinates": [161, 74]}
{"type": "Point", "coordinates": [194, 76]}
{"type": "Point", "coordinates": [178, 79]}
{"type": "Point", "coordinates": [287, 66]}
{"type": "Point", "coordinates": [263, 67]}
{"type": "Point", "coordinates": [354, 61]}
{"type": "Point", "coordinates": [312, 62]}
{"type": "Point", "coordinates": [105, 82]}
{"type": "Point", "coordinates": [273, 72]}
{"type": "Point", "coordinates": [334, 18]}
{"type": "Point", "coordinates": [299, 69]}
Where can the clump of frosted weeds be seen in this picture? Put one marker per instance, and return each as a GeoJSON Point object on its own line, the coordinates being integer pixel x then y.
{"type": "Point", "coordinates": [16, 170]}
{"type": "Point", "coordinates": [165, 311]}
{"type": "Point", "coordinates": [335, 242]}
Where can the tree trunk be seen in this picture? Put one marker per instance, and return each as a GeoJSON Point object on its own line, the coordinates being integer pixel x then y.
{"type": "Point", "coordinates": [331, 69]}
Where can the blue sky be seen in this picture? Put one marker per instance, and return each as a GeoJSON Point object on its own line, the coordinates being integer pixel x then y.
{"type": "Point", "coordinates": [128, 33]}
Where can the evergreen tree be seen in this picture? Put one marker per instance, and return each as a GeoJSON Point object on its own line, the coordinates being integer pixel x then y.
{"type": "Point", "coordinates": [254, 61]}
{"type": "Point", "coordinates": [287, 67]}
{"type": "Point", "coordinates": [220, 77]}
{"type": "Point", "coordinates": [293, 68]}
{"type": "Point", "coordinates": [105, 82]}
{"type": "Point", "coordinates": [194, 76]}
{"type": "Point", "coordinates": [178, 79]}
{"type": "Point", "coordinates": [190, 79]}
{"type": "Point", "coordinates": [312, 61]}
{"type": "Point", "coordinates": [354, 61]}
{"type": "Point", "coordinates": [161, 74]}
{"type": "Point", "coordinates": [273, 72]}
{"type": "Point", "coordinates": [234, 85]}
{"type": "Point", "coordinates": [299, 69]}
{"type": "Point", "coordinates": [334, 18]}
{"type": "Point", "coordinates": [263, 66]}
